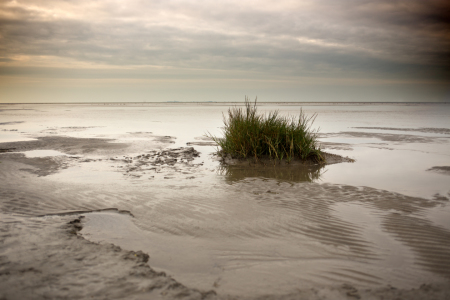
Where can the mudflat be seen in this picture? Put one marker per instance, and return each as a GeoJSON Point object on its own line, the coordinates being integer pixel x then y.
{"type": "Point", "coordinates": [89, 210]}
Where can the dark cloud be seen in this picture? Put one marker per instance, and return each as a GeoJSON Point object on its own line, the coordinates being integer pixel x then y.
{"type": "Point", "coordinates": [379, 38]}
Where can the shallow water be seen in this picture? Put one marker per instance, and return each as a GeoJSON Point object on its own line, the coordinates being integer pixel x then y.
{"type": "Point", "coordinates": [383, 219]}
{"type": "Point", "coordinates": [43, 153]}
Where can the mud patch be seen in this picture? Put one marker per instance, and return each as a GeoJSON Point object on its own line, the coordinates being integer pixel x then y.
{"type": "Point", "coordinates": [388, 137]}
{"type": "Point", "coordinates": [40, 166]}
{"type": "Point", "coordinates": [4, 150]}
{"type": "Point", "coordinates": [421, 129]}
{"type": "Point", "coordinates": [58, 130]}
{"type": "Point", "coordinates": [445, 170]}
{"type": "Point", "coordinates": [77, 212]}
{"type": "Point", "coordinates": [141, 134]}
{"type": "Point", "coordinates": [440, 197]}
{"type": "Point", "coordinates": [47, 165]}
{"type": "Point", "coordinates": [165, 139]}
{"type": "Point", "coordinates": [10, 123]}
{"type": "Point", "coordinates": [201, 144]}
{"type": "Point", "coordinates": [13, 109]}
{"type": "Point", "coordinates": [166, 163]}
{"type": "Point", "coordinates": [69, 145]}
{"type": "Point", "coordinates": [178, 160]}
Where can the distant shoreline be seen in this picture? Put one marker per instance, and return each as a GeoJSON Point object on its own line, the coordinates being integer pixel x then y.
{"type": "Point", "coordinates": [238, 103]}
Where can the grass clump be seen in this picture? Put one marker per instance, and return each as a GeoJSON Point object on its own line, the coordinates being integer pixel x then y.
{"type": "Point", "coordinates": [249, 134]}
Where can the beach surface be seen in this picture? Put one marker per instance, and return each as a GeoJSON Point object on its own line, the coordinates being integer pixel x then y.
{"type": "Point", "coordinates": [130, 201]}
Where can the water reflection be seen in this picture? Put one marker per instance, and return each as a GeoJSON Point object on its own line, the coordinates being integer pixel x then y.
{"type": "Point", "coordinates": [295, 173]}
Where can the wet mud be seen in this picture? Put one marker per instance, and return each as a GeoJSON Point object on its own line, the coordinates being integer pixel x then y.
{"type": "Point", "coordinates": [388, 137]}
{"type": "Point", "coordinates": [249, 210]}
{"type": "Point", "coordinates": [43, 166]}
{"type": "Point", "coordinates": [47, 165]}
{"type": "Point", "coordinates": [45, 258]}
{"type": "Point", "coordinates": [425, 130]}
{"type": "Point", "coordinates": [201, 144]}
{"type": "Point", "coordinates": [87, 150]}
{"type": "Point", "coordinates": [445, 170]}
{"type": "Point", "coordinates": [167, 161]}
{"type": "Point", "coordinates": [10, 123]}
{"type": "Point", "coordinates": [165, 139]}
{"type": "Point", "coordinates": [134, 216]}
{"type": "Point", "coordinates": [69, 145]}
{"type": "Point", "coordinates": [65, 129]}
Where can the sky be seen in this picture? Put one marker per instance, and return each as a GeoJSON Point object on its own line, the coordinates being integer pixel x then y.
{"type": "Point", "coordinates": [213, 50]}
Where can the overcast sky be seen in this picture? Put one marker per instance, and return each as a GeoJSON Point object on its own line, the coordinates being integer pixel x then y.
{"type": "Point", "coordinates": [212, 50]}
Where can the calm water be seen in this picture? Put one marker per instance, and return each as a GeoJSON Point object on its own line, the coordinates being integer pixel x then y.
{"type": "Point", "coordinates": [243, 231]}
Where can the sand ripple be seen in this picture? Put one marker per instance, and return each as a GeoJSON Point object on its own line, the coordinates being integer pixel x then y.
{"type": "Point", "coordinates": [238, 235]}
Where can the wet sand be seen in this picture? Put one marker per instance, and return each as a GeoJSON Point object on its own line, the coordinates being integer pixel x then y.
{"type": "Point", "coordinates": [31, 213]}
{"type": "Point", "coordinates": [51, 261]}
{"type": "Point", "coordinates": [45, 258]}
{"type": "Point", "coordinates": [80, 222]}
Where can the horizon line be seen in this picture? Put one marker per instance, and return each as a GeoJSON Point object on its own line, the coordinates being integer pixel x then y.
{"type": "Point", "coordinates": [237, 102]}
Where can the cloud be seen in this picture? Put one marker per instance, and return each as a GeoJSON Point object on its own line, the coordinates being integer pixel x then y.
{"type": "Point", "coordinates": [351, 38]}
